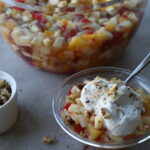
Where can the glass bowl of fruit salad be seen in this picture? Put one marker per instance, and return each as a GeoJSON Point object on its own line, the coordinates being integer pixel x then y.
{"type": "Point", "coordinates": [70, 35]}
{"type": "Point", "coordinates": [97, 109]}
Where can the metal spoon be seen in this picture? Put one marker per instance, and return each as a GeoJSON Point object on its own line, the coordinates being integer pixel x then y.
{"type": "Point", "coordinates": [139, 68]}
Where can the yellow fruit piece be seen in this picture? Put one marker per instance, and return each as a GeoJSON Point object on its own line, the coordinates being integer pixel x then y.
{"type": "Point", "coordinates": [102, 1]}
{"type": "Point", "coordinates": [48, 25]}
{"type": "Point", "coordinates": [15, 12]}
{"type": "Point", "coordinates": [63, 22]}
{"type": "Point", "coordinates": [9, 25]}
{"type": "Point", "coordinates": [93, 133]}
{"type": "Point", "coordinates": [73, 43]}
{"type": "Point", "coordinates": [48, 33]}
{"type": "Point", "coordinates": [2, 5]}
{"type": "Point", "coordinates": [110, 27]}
{"type": "Point", "coordinates": [87, 2]}
{"type": "Point", "coordinates": [121, 19]}
{"type": "Point", "coordinates": [101, 36]}
{"type": "Point", "coordinates": [88, 36]}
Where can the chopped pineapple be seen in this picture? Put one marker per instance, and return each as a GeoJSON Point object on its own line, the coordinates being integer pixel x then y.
{"type": "Point", "coordinates": [93, 133]}
{"type": "Point", "coordinates": [88, 36]}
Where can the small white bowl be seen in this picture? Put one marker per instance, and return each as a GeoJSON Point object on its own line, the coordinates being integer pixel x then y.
{"type": "Point", "coordinates": [9, 110]}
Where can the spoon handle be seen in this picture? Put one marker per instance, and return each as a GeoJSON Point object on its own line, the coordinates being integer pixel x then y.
{"type": "Point", "coordinates": [140, 67]}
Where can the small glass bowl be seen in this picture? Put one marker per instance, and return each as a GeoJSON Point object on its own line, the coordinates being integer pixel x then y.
{"type": "Point", "coordinates": [108, 72]}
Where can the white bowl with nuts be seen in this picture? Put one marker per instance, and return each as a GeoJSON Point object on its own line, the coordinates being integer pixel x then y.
{"type": "Point", "coordinates": [8, 101]}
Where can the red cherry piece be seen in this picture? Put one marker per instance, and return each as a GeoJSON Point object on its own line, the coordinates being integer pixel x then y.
{"type": "Point", "coordinates": [28, 50]}
{"type": "Point", "coordinates": [39, 17]}
{"type": "Point", "coordinates": [63, 28]}
{"type": "Point", "coordinates": [86, 8]}
{"type": "Point", "coordinates": [122, 10]}
{"type": "Point", "coordinates": [89, 30]}
{"type": "Point", "coordinates": [117, 35]}
{"type": "Point", "coordinates": [78, 128]}
{"type": "Point", "coordinates": [67, 106]}
{"type": "Point", "coordinates": [72, 33]}
{"type": "Point", "coordinates": [70, 9]}
{"type": "Point", "coordinates": [85, 20]}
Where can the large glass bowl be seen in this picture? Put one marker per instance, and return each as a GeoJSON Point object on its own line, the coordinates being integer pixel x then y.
{"type": "Point", "coordinates": [73, 40]}
{"type": "Point", "coordinates": [108, 72]}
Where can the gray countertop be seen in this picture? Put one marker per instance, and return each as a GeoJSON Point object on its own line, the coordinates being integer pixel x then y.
{"type": "Point", "coordinates": [35, 88]}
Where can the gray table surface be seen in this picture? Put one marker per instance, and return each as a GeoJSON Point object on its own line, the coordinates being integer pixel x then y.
{"type": "Point", "coordinates": [35, 88]}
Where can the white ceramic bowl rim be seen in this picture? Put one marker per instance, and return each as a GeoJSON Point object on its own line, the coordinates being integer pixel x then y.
{"type": "Point", "coordinates": [12, 83]}
{"type": "Point", "coordinates": [87, 141]}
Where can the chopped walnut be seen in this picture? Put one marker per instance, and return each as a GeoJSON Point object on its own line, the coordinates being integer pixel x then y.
{"type": "Point", "coordinates": [48, 140]}
{"type": "Point", "coordinates": [106, 114]}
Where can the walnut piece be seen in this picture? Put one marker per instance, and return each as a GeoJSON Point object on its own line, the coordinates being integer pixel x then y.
{"type": "Point", "coordinates": [48, 140]}
{"type": "Point", "coordinates": [106, 114]}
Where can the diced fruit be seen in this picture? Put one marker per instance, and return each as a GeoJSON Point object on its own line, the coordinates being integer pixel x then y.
{"type": "Point", "coordinates": [75, 90]}
{"type": "Point", "coordinates": [39, 17]}
{"type": "Point", "coordinates": [117, 139]}
{"type": "Point", "coordinates": [117, 35]}
{"type": "Point", "coordinates": [58, 42]}
{"type": "Point", "coordinates": [101, 36]}
{"type": "Point", "coordinates": [123, 10]}
{"type": "Point", "coordinates": [88, 36]}
{"type": "Point", "coordinates": [73, 43]}
{"type": "Point", "coordinates": [62, 4]}
{"type": "Point", "coordinates": [86, 8]}
{"type": "Point", "coordinates": [63, 22]}
{"type": "Point", "coordinates": [98, 122]}
{"type": "Point", "coordinates": [71, 33]}
{"type": "Point", "coordinates": [78, 128]}
{"type": "Point", "coordinates": [93, 133]}
{"type": "Point", "coordinates": [74, 108]}
{"type": "Point", "coordinates": [41, 26]}
{"type": "Point", "coordinates": [10, 25]}
{"type": "Point", "coordinates": [85, 20]}
{"type": "Point", "coordinates": [67, 106]}
{"type": "Point", "coordinates": [63, 28]}
{"type": "Point", "coordinates": [89, 30]}
{"type": "Point", "coordinates": [70, 9]}
{"type": "Point", "coordinates": [110, 27]}
{"type": "Point", "coordinates": [48, 33]}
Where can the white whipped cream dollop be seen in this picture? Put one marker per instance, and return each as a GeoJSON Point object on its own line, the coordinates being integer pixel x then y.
{"type": "Point", "coordinates": [119, 105]}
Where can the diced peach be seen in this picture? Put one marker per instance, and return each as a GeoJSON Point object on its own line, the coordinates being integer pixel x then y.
{"type": "Point", "coordinates": [93, 133]}
{"type": "Point", "coordinates": [48, 33]}
{"type": "Point", "coordinates": [101, 36]}
{"type": "Point", "coordinates": [63, 22]}
{"type": "Point", "coordinates": [2, 5]}
{"type": "Point", "coordinates": [73, 43]}
{"type": "Point", "coordinates": [88, 36]}
{"type": "Point", "coordinates": [110, 27]}
{"type": "Point", "coordinates": [121, 19]}
{"type": "Point", "coordinates": [15, 12]}
{"type": "Point", "coordinates": [10, 25]}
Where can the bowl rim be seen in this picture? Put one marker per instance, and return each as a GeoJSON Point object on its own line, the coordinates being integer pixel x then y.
{"type": "Point", "coordinates": [79, 138]}
{"type": "Point", "coordinates": [12, 84]}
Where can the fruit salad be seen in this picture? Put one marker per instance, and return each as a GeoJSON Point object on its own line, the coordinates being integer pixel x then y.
{"type": "Point", "coordinates": [107, 111]}
{"type": "Point", "coordinates": [70, 40]}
